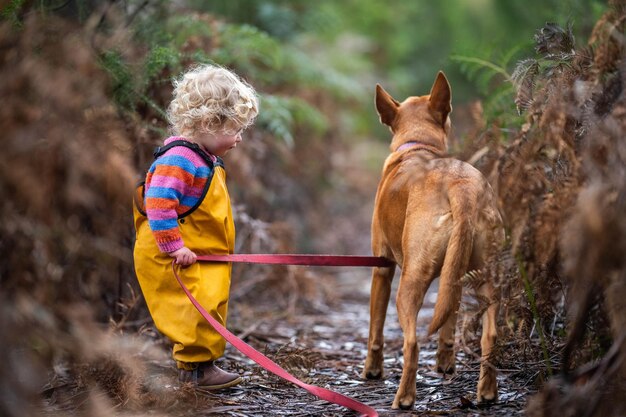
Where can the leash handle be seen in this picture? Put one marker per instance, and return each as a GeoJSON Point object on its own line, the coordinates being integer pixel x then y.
{"type": "Point", "coordinates": [273, 367]}
{"type": "Point", "coordinates": [288, 259]}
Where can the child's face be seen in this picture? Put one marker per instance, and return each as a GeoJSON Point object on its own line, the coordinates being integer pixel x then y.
{"type": "Point", "coordinates": [218, 143]}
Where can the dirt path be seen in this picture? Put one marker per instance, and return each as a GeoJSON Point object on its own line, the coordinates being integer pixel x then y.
{"type": "Point", "coordinates": [329, 351]}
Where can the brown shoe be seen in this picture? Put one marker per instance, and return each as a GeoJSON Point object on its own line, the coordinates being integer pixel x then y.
{"type": "Point", "coordinates": [208, 376]}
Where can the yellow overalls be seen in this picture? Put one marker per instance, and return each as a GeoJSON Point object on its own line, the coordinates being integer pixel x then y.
{"type": "Point", "coordinates": [209, 229]}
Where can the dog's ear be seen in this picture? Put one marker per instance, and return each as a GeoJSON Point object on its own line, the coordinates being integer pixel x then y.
{"type": "Point", "coordinates": [386, 106]}
{"type": "Point", "coordinates": [440, 97]}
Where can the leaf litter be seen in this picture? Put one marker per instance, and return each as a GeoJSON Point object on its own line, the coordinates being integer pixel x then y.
{"type": "Point", "coordinates": [328, 350]}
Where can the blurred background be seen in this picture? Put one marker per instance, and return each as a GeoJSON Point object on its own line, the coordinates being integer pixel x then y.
{"type": "Point", "coordinates": [85, 85]}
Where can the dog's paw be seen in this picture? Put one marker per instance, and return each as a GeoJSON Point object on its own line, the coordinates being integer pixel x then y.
{"type": "Point", "coordinates": [486, 398]}
{"type": "Point", "coordinates": [446, 360]}
{"type": "Point", "coordinates": [372, 373]}
{"type": "Point", "coordinates": [373, 368]}
{"type": "Point", "coordinates": [446, 369]}
{"type": "Point", "coordinates": [487, 391]}
{"type": "Point", "coordinates": [403, 402]}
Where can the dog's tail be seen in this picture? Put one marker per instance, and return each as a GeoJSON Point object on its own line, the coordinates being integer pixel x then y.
{"type": "Point", "coordinates": [456, 262]}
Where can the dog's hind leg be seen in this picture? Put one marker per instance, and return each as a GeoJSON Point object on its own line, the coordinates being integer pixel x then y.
{"type": "Point", "coordinates": [446, 361]}
{"type": "Point", "coordinates": [414, 283]}
{"type": "Point", "coordinates": [487, 383]}
{"type": "Point", "coordinates": [410, 298]}
{"type": "Point", "coordinates": [380, 293]}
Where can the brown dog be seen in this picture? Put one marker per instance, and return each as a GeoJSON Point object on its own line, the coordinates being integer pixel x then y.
{"type": "Point", "coordinates": [433, 216]}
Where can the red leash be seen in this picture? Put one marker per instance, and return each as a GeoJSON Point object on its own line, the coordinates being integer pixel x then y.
{"type": "Point", "coordinates": [319, 260]}
{"type": "Point", "coordinates": [258, 357]}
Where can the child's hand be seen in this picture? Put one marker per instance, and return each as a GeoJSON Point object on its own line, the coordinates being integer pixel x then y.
{"type": "Point", "coordinates": [184, 256]}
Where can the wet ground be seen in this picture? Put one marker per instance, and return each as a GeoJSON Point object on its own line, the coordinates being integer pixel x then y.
{"type": "Point", "coordinates": [329, 350]}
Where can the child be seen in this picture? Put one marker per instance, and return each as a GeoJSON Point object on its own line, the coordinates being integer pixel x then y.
{"type": "Point", "coordinates": [185, 211]}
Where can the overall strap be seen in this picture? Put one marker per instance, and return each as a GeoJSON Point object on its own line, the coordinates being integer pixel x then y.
{"type": "Point", "coordinates": [160, 150]}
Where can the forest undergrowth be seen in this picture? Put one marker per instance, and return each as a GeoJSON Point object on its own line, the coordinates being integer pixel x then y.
{"type": "Point", "coordinates": [80, 125]}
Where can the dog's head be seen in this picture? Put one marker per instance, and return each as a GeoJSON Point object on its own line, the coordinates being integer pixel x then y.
{"type": "Point", "coordinates": [422, 119]}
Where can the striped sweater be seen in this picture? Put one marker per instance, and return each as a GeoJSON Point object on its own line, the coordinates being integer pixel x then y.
{"type": "Point", "coordinates": [174, 184]}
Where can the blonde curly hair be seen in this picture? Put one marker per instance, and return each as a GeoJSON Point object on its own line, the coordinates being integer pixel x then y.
{"type": "Point", "coordinates": [212, 99]}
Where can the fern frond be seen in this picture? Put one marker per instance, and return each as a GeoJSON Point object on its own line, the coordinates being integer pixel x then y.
{"type": "Point", "coordinates": [509, 55]}
{"type": "Point", "coordinates": [304, 70]}
{"type": "Point", "coordinates": [482, 63]}
{"type": "Point", "coordinates": [276, 118]}
{"type": "Point", "coordinates": [499, 104]}
{"type": "Point", "coordinates": [473, 279]}
{"type": "Point", "coordinates": [248, 48]}
{"type": "Point", "coordinates": [488, 75]}
{"type": "Point", "coordinates": [281, 116]}
{"type": "Point", "coordinates": [122, 79]}
{"type": "Point", "coordinates": [523, 79]}
{"type": "Point", "coordinates": [553, 42]}
{"type": "Point", "coordinates": [159, 58]}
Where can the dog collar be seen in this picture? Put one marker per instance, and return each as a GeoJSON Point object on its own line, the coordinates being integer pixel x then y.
{"type": "Point", "coordinates": [414, 143]}
{"type": "Point", "coordinates": [406, 145]}
{"type": "Point", "coordinates": [409, 145]}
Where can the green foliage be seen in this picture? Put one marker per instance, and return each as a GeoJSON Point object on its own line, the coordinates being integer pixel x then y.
{"type": "Point", "coordinates": [179, 28]}
{"type": "Point", "coordinates": [274, 64]}
{"type": "Point", "coordinates": [129, 88]}
{"type": "Point", "coordinates": [281, 116]}
{"type": "Point", "coordinates": [303, 70]}
{"type": "Point", "coordinates": [300, 45]}
{"type": "Point", "coordinates": [159, 59]}
{"type": "Point", "coordinates": [493, 81]}
{"type": "Point", "coordinates": [252, 52]}
{"type": "Point", "coordinates": [281, 19]}
{"type": "Point", "coordinates": [482, 71]}
{"type": "Point", "coordinates": [249, 49]}
{"type": "Point", "coordinates": [11, 11]}
{"type": "Point", "coordinates": [122, 79]}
